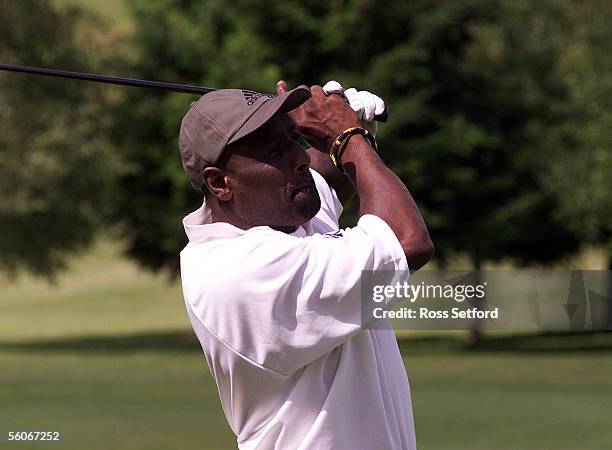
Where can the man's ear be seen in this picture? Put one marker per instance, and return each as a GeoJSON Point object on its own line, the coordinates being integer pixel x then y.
{"type": "Point", "coordinates": [216, 183]}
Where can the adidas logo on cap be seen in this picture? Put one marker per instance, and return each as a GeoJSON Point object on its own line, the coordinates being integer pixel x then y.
{"type": "Point", "coordinates": [251, 96]}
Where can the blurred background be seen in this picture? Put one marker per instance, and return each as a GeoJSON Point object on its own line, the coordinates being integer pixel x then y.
{"type": "Point", "coordinates": [501, 126]}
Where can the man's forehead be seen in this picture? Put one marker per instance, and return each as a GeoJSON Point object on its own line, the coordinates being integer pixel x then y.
{"type": "Point", "coordinates": [281, 122]}
{"type": "Point", "coordinates": [277, 127]}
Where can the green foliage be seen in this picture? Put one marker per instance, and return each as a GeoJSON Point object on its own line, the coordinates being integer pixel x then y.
{"type": "Point", "coordinates": [476, 89]}
{"type": "Point", "coordinates": [211, 44]}
{"type": "Point", "coordinates": [483, 99]}
{"type": "Point", "coordinates": [499, 126]}
{"type": "Point", "coordinates": [56, 169]}
{"type": "Point", "coordinates": [580, 174]}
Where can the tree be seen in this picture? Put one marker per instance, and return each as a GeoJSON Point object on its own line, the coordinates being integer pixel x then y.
{"type": "Point", "coordinates": [470, 84]}
{"type": "Point", "coordinates": [57, 170]}
{"type": "Point", "coordinates": [208, 43]}
{"type": "Point", "coordinates": [580, 174]}
{"type": "Point", "coordinates": [474, 89]}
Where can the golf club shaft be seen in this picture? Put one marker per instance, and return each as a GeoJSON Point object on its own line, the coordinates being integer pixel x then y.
{"type": "Point", "coordinates": [159, 85]}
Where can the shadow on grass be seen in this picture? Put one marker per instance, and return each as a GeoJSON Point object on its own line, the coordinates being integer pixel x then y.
{"type": "Point", "coordinates": [587, 342]}
{"type": "Point", "coordinates": [175, 341]}
{"type": "Point", "coordinates": [185, 341]}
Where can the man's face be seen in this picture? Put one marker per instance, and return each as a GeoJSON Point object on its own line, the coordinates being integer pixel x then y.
{"type": "Point", "coordinates": [268, 173]}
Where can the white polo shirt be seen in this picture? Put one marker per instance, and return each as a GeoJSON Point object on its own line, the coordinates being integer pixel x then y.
{"type": "Point", "coordinates": [278, 318]}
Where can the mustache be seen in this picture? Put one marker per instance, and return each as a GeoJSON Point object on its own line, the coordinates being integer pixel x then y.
{"type": "Point", "coordinates": [294, 187]}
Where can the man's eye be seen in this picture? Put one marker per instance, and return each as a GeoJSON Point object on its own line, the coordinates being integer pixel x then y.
{"type": "Point", "coordinates": [274, 151]}
{"type": "Point", "coordinates": [297, 137]}
{"type": "Point", "coordinates": [301, 141]}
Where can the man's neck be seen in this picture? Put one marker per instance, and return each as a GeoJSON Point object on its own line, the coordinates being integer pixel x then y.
{"type": "Point", "coordinates": [217, 215]}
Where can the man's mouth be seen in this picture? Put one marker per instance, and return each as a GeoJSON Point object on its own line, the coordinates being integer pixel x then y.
{"type": "Point", "coordinates": [307, 186]}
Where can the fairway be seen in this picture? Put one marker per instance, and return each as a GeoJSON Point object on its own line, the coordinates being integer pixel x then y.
{"type": "Point", "coordinates": [154, 392]}
{"type": "Point", "coordinates": [106, 357]}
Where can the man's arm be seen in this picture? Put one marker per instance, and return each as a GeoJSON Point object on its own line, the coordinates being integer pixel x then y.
{"type": "Point", "coordinates": [381, 193]}
{"type": "Point", "coordinates": [367, 105]}
{"type": "Point", "coordinates": [321, 162]}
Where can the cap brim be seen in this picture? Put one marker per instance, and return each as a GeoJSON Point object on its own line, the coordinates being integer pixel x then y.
{"type": "Point", "coordinates": [282, 103]}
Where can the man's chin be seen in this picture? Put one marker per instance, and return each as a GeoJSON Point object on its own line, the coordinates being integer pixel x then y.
{"type": "Point", "coordinates": [308, 202]}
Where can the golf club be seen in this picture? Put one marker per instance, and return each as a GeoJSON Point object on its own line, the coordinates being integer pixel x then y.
{"type": "Point", "coordinates": [159, 85]}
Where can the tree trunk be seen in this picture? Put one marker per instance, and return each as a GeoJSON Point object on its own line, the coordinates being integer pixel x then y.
{"type": "Point", "coordinates": [608, 322]}
{"type": "Point", "coordinates": [474, 335]}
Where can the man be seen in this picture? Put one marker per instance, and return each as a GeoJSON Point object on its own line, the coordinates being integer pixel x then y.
{"type": "Point", "coordinates": [272, 286]}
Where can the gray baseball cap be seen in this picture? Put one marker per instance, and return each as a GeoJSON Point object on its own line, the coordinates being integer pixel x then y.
{"type": "Point", "coordinates": [222, 117]}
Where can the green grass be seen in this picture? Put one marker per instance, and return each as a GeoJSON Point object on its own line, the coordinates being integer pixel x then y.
{"type": "Point", "coordinates": [156, 393]}
{"type": "Point", "coordinates": [135, 400]}
{"type": "Point", "coordinates": [512, 401]}
{"type": "Point", "coordinates": [102, 294]}
{"type": "Point", "coordinates": [107, 358]}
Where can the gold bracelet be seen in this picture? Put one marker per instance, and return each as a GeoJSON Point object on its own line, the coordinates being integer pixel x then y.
{"type": "Point", "coordinates": [344, 136]}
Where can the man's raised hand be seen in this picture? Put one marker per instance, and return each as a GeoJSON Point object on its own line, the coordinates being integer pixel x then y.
{"type": "Point", "coordinates": [322, 118]}
{"type": "Point", "coordinates": [364, 103]}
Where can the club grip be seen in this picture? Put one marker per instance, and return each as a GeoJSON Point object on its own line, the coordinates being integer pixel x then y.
{"type": "Point", "coordinates": [383, 116]}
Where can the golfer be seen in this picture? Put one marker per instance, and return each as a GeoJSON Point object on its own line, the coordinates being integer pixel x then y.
{"type": "Point", "coordinates": [272, 285]}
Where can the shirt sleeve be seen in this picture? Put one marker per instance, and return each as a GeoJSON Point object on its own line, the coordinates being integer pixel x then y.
{"type": "Point", "coordinates": [282, 301]}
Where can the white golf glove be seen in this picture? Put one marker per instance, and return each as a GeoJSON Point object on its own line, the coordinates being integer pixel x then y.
{"type": "Point", "coordinates": [364, 103]}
